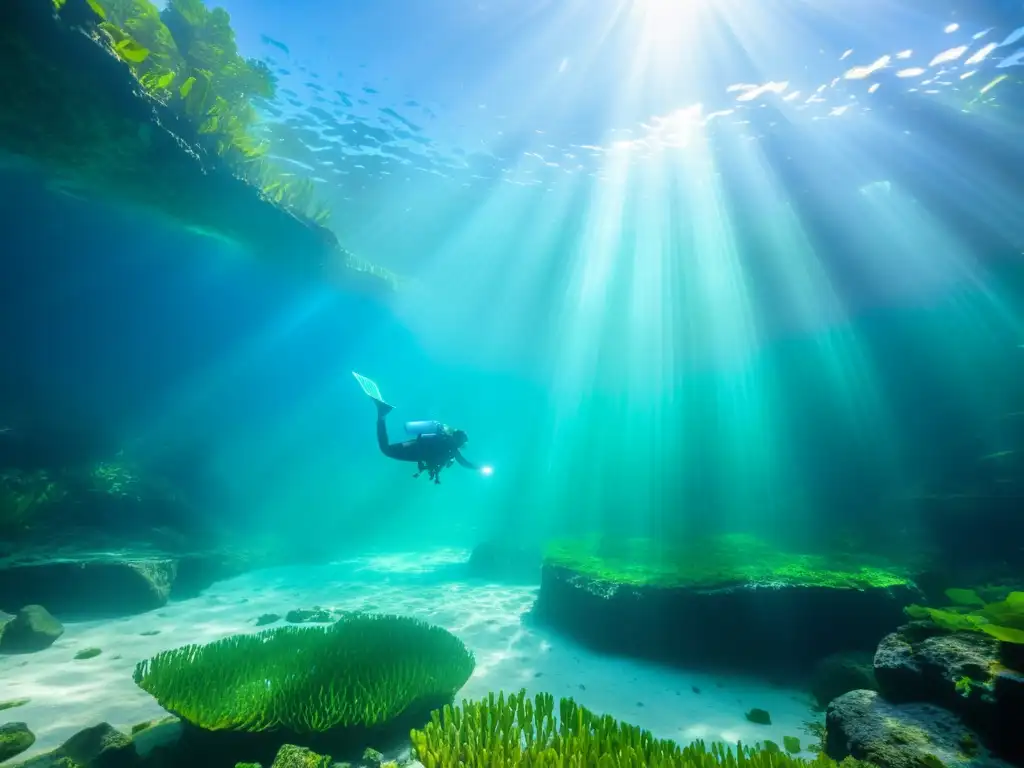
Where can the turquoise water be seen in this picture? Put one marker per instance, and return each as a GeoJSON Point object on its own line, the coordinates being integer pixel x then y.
{"type": "Point", "coordinates": [685, 273]}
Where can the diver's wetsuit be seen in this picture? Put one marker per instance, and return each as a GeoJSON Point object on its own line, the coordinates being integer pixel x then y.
{"type": "Point", "coordinates": [431, 452]}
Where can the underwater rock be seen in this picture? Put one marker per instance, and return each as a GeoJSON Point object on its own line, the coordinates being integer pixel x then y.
{"type": "Point", "coordinates": [15, 738]}
{"type": "Point", "coordinates": [32, 629]}
{"type": "Point", "coordinates": [78, 112]}
{"type": "Point", "coordinates": [290, 756]}
{"type": "Point", "coordinates": [964, 672]}
{"type": "Point", "coordinates": [865, 726]}
{"type": "Point", "coordinates": [758, 716]}
{"type": "Point", "coordinates": [13, 704]}
{"type": "Point", "coordinates": [267, 618]}
{"type": "Point", "coordinates": [505, 562]}
{"type": "Point", "coordinates": [88, 653]}
{"type": "Point", "coordinates": [100, 746]}
{"type": "Point", "coordinates": [782, 616]}
{"type": "Point", "coordinates": [841, 673]}
{"type": "Point", "coordinates": [161, 734]}
{"type": "Point", "coordinates": [315, 615]}
{"type": "Point", "coordinates": [109, 584]}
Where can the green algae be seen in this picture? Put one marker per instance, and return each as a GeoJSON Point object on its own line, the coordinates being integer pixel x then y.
{"type": "Point", "coordinates": [718, 561]}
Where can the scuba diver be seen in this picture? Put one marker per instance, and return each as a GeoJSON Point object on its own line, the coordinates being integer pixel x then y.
{"type": "Point", "coordinates": [435, 447]}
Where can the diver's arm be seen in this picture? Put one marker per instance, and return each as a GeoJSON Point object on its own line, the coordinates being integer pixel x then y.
{"type": "Point", "coordinates": [465, 462]}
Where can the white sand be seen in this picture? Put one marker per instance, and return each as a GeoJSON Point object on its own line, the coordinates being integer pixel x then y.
{"type": "Point", "coordinates": [68, 695]}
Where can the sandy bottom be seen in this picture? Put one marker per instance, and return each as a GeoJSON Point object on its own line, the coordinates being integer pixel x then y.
{"type": "Point", "coordinates": [67, 695]}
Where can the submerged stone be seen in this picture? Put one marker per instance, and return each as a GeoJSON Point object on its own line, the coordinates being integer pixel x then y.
{"type": "Point", "coordinates": [32, 629]}
{"type": "Point", "coordinates": [863, 725]}
{"type": "Point", "coordinates": [15, 738]}
{"type": "Point", "coordinates": [729, 600]}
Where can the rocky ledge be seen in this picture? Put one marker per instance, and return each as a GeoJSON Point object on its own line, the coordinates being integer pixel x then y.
{"type": "Point", "coordinates": [95, 583]}
{"type": "Point", "coordinates": [77, 112]}
{"type": "Point", "coordinates": [730, 602]}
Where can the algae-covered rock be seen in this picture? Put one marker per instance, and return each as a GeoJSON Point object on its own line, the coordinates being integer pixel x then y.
{"type": "Point", "coordinates": [32, 629]}
{"type": "Point", "coordinates": [290, 756]}
{"type": "Point", "coordinates": [15, 738]}
{"type": "Point", "coordinates": [13, 703]}
{"type": "Point", "coordinates": [728, 600]}
{"type": "Point", "coordinates": [865, 726]}
{"type": "Point", "coordinates": [267, 618]}
{"type": "Point", "coordinates": [101, 746]}
{"type": "Point", "coordinates": [961, 671]}
{"type": "Point", "coordinates": [88, 653]}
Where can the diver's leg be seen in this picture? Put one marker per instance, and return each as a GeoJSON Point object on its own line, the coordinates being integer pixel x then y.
{"type": "Point", "coordinates": [391, 451]}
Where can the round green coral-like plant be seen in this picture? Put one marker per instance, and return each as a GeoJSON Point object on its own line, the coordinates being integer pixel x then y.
{"type": "Point", "coordinates": [364, 671]}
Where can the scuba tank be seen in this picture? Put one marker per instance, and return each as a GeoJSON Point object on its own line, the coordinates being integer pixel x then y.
{"type": "Point", "coordinates": [429, 427]}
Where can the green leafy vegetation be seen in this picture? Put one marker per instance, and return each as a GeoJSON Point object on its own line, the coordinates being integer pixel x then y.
{"type": "Point", "coordinates": [186, 57]}
{"type": "Point", "coordinates": [363, 671]}
{"type": "Point", "coordinates": [1003, 619]}
{"type": "Point", "coordinates": [720, 560]}
{"type": "Point", "coordinates": [502, 731]}
{"type": "Point", "coordinates": [26, 499]}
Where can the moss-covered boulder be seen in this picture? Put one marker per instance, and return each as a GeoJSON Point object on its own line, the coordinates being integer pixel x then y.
{"type": "Point", "coordinates": [863, 725]}
{"type": "Point", "coordinates": [99, 746]}
{"type": "Point", "coordinates": [15, 738]}
{"type": "Point", "coordinates": [725, 600]}
{"type": "Point", "coordinates": [964, 672]}
{"type": "Point", "coordinates": [116, 100]}
{"type": "Point", "coordinates": [332, 689]}
{"type": "Point", "coordinates": [290, 756]}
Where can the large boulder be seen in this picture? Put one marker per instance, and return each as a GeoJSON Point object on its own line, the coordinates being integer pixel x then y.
{"type": "Point", "coordinates": [965, 672]}
{"type": "Point", "coordinates": [32, 629]}
{"type": "Point", "coordinates": [863, 725]}
{"type": "Point", "coordinates": [726, 602]}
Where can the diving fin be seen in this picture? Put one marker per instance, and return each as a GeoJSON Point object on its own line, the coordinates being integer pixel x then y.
{"type": "Point", "coordinates": [373, 391]}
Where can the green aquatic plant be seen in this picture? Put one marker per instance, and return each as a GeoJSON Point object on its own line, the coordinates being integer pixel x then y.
{"type": "Point", "coordinates": [26, 498]}
{"type": "Point", "coordinates": [792, 744]}
{"type": "Point", "coordinates": [363, 671]}
{"type": "Point", "coordinates": [1003, 619]}
{"type": "Point", "coordinates": [719, 560]}
{"type": "Point", "coordinates": [503, 732]}
{"type": "Point", "coordinates": [186, 57]}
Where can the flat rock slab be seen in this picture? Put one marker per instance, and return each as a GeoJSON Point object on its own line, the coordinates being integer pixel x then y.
{"type": "Point", "coordinates": [865, 726]}
{"type": "Point", "coordinates": [95, 584]}
{"type": "Point", "coordinates": [76, 111]}
{"type": "Point", "coordinates": [742, 626]}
